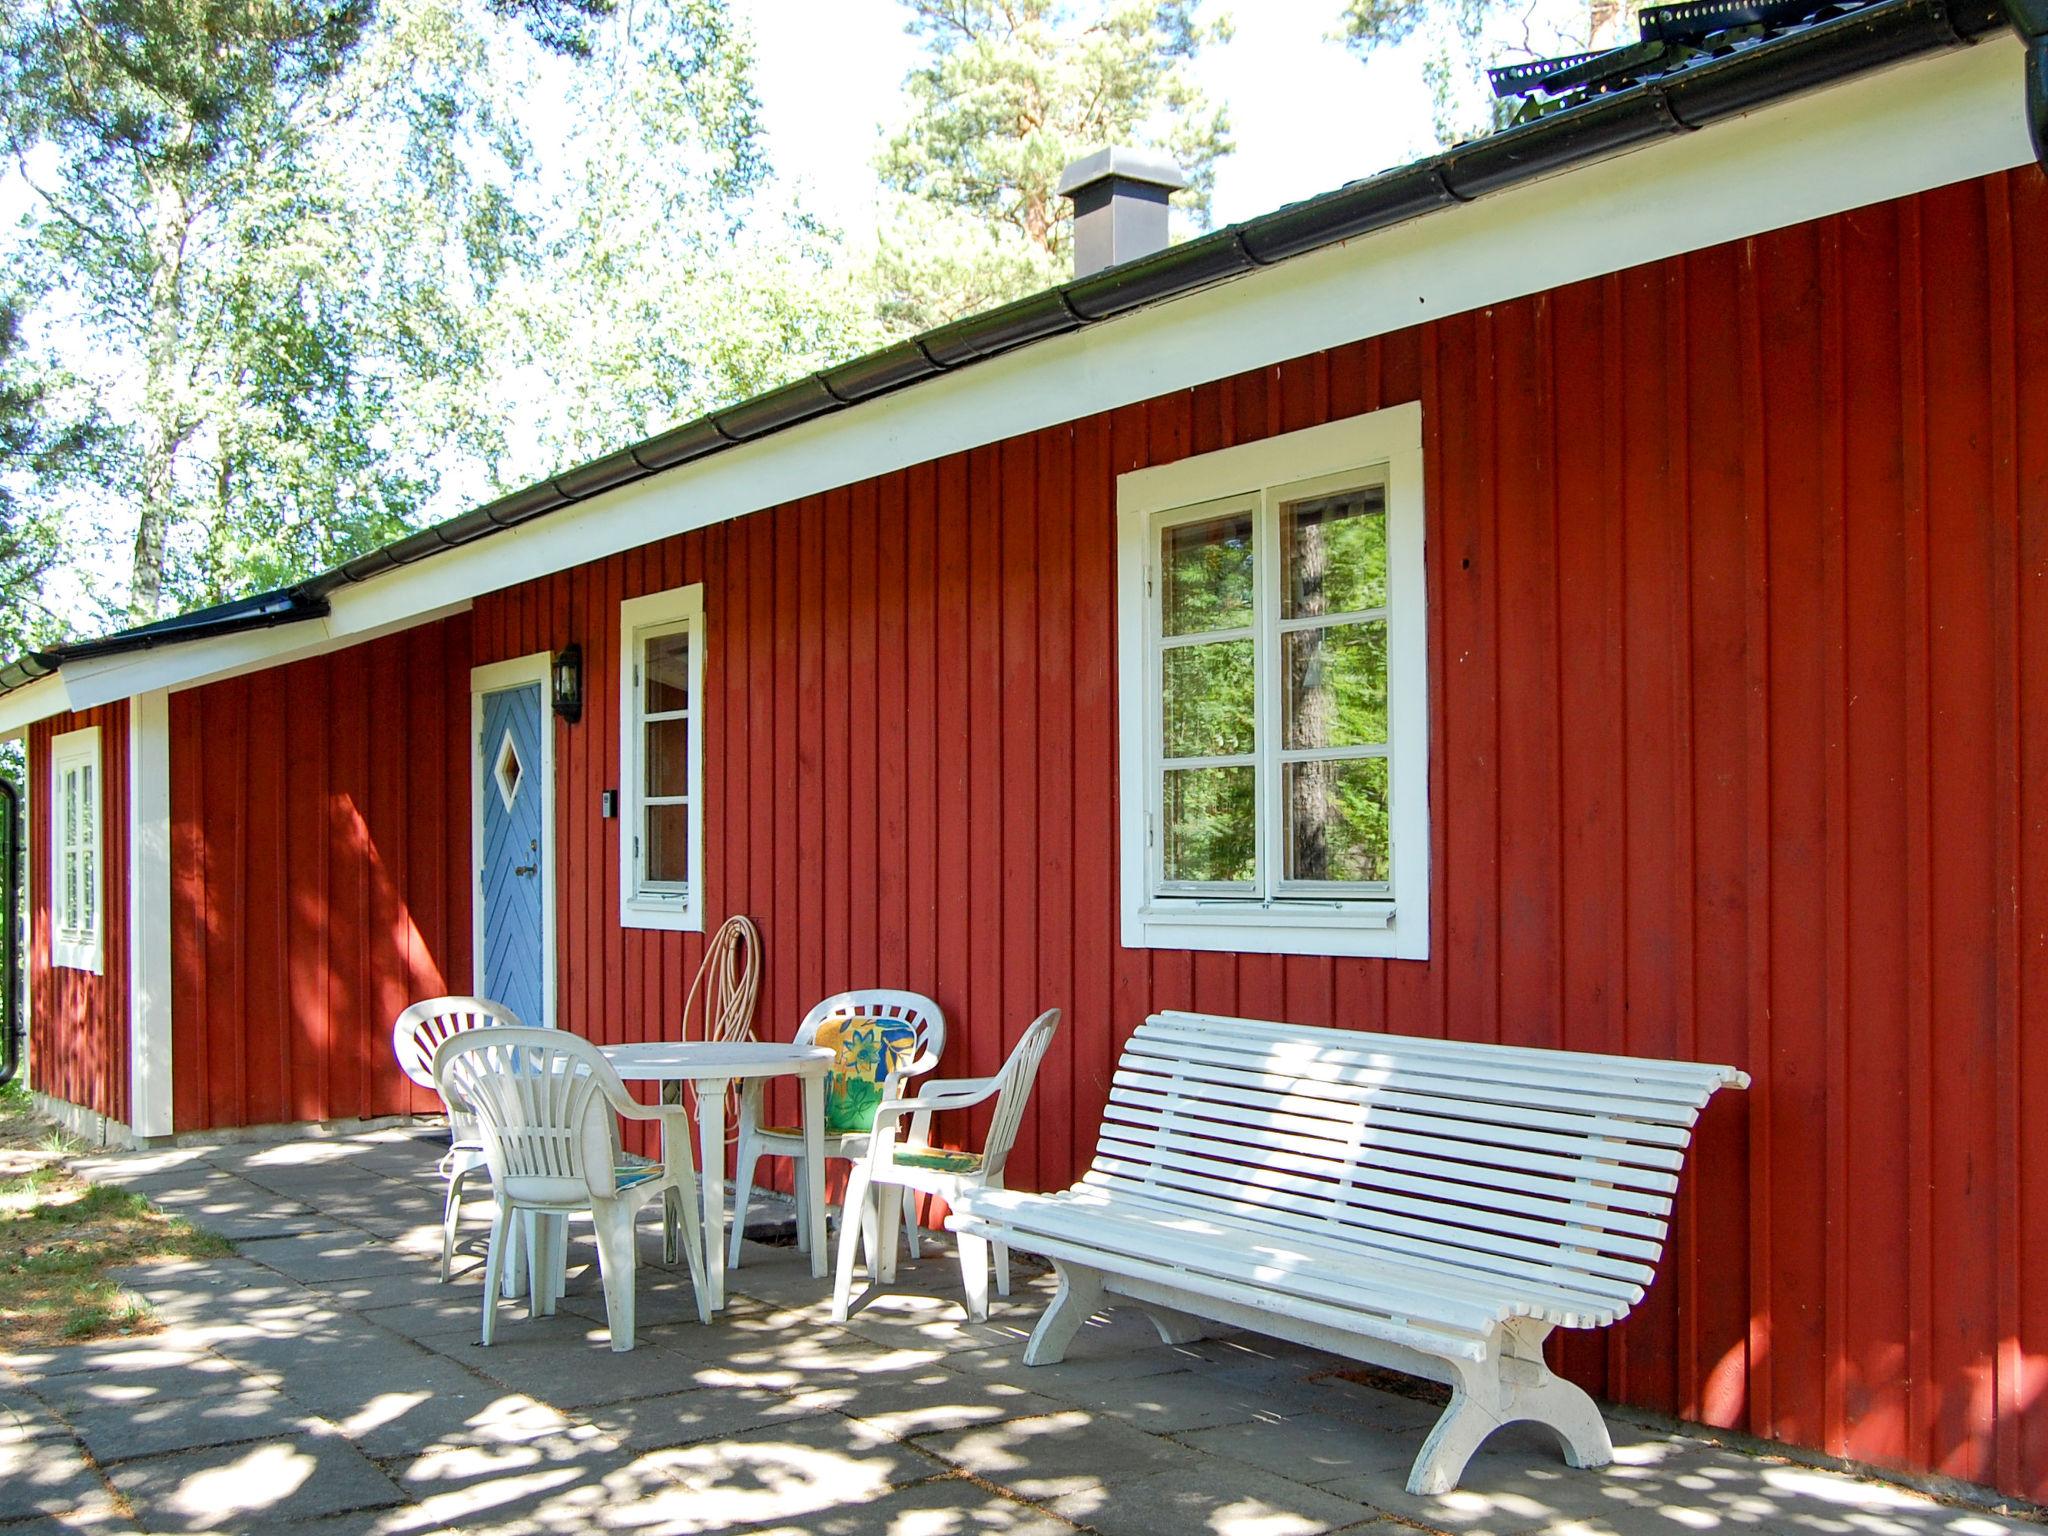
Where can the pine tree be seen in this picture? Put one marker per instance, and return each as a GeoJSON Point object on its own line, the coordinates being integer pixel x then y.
{"type": "Point", "coordinates": [1010, 93]}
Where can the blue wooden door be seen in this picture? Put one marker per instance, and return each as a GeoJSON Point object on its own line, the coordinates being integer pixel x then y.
{"type": "Point", "coordinates": [511, 969]}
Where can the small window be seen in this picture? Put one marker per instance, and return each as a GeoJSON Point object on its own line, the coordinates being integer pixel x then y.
{"type": "Point", "coordinates": [1272, 636]}
{"type": "Point", "coordinates": [661, 756]}
{"type": "Point", "coordinates": [76, 869]}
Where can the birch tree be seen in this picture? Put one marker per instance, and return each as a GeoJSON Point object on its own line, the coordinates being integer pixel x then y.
{"type": "Point", "coordinates": [669, 278]}
{"type": "Point", "coordinates": [174, 147]}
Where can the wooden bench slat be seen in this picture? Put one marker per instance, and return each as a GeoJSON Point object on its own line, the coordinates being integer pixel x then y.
{"type": "Point", "coordinates": [1386, 1230]}
{"type": "Point", "coordinates": [1401, 1149]}
{"type": "Point", "coordinates": [1403, 1093]}
{"type": "Point", "coordinates": [1469, 1140]}
{"type": "Point", "coordinates": [1247, 1256]}
{"type": "Point", "coordinates": [1359, 1315]}
{"type": "Point", "coordinates": [1575, 1205]}
{"type": "Point", "coordinates": [1682, 1076]}
{"type": "Point", "coordinates": [1557, 1297]}
{"type": "Point", "coordinates": [1570, 1221]}
{"type": "Point", "coordinates": [1387, 1072]}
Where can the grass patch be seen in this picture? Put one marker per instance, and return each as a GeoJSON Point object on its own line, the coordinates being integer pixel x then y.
{"type": "Point", "coordinates": [60, 1235]}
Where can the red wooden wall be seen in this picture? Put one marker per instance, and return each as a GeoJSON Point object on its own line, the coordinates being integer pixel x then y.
{"type": "Point", "coordinates": [319, 877]}
{"type": "Point", "coordinates": [1739, 578]}
{"type": "Point", "coordinates": [78, 1021]}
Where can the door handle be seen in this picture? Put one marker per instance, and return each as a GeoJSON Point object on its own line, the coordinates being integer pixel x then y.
{"type": "Point", "coordinates": [526, 871]}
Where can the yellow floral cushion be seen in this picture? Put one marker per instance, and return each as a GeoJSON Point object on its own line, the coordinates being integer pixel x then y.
{"type": "Point", "coordinates": [871, 1056]}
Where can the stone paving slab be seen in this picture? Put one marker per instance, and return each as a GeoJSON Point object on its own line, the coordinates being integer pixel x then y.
{"type": "Point", "coordinates": [249, 1487]}
{"type": "Point", "coordinates": [122, 1432]}
{"type": "Point", "coordinates": [1215, 1498]}
{"type": "Point", "coordinates": [907, 1404]}
{"type": "Point", "coordinates": [702, 1413]}
{"type": "Point", "coordinates": [345, 1254]}
{"type": "Point", "coordinates": [759, 1476]}
{"type": "Point", "coordinates": [1313, 1447]}
{"type": "Point", "coordinates": [47, 1474]}
{"type": "Point", "coordinates": [1058, 1454]}
{"type": "Point", "coordinates": [366, 1407]}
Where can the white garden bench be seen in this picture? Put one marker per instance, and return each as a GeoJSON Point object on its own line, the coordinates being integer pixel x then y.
{"type": "Point", "coordinates": [1433, 1206]}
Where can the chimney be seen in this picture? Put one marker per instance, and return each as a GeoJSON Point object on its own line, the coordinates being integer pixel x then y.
{"type": "Point", "coordinates": [1119, 200]}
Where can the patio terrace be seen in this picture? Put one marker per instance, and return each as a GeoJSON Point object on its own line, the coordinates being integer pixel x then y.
{"type": "Point", "coordinates": [321, 1382]}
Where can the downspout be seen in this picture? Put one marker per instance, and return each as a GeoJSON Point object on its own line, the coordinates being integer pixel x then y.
{"type": "Point", "coordinates": [10, 942]}
{"type": "Point", "coordinates": [2030, 19]}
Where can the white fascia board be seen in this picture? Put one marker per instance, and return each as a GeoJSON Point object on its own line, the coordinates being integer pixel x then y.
{"type": "Point", "coordinates": [186, 664]}
{"type": "Point", "coordinates": [39, 700]}
{"type": "Point", "coordinates": [1921, 124]}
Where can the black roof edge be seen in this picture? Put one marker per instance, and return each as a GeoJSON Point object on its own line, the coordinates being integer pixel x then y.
{"type": "Point", "coordinates": [1689, 98]}
{"type": "Point", "coordinates": [264, 610]}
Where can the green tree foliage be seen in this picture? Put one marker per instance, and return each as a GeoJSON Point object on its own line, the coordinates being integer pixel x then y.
{"type": "Point", "coordinates": [47, 440]}
{"type": "Point", "coordinates": [666, 282]}
{"type": "Point", "coordinates": [1012, 91]}
{"type": "Point", "coordinates": [216, 245]}
{"type": "Point", "coordinates": [1461, 39]}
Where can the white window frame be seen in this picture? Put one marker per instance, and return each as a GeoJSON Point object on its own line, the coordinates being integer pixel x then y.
{"type": "Point", "coordinates": [678, 610]}
{"type": "Point", "coordinates": [1383, 447]}
{"type": "Point", "coordinates": [76, 944]}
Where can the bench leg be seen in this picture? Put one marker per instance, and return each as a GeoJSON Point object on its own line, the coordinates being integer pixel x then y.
{"type": "Point", "coordinates": [1078, 1299]}
{"type": "Point", "coordinates": [1516, 1385]}
{"type": "Point", "coordinates": [1176, 1327]}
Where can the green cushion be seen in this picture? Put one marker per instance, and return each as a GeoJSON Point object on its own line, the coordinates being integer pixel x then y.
{"type": "Point", "coordinates": [939, 1159]}
{"type": "Point", "coordinates": [870, 1056]}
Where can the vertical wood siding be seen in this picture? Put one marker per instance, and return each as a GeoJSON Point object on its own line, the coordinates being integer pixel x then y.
{"type": "Point", "coordinates": [1739, 577]}
{"type": "Point", "coordinates": [78, 1022]}
{"type": "Point", "coordinates": [319, 877]}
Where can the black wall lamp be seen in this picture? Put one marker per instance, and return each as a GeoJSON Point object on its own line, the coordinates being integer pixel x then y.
{"type": "Point", "coordinates": [568, 683]}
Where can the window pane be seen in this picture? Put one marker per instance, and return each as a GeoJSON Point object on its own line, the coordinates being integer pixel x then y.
{"type": "Point", "coordinates": [70, 799]}
{"type": "Point", "coordinates": [1336, 685]}
{"type": "Point", "coordinates": [667, 844]}
{"type": "Point", "coordinates": [1334, 549]}
{"type": "Point", "coordinates": [668, 757]}
{"type": "Point", "coordinates": [88, 803]}
{"type": "Point", "coordinates": [67, 898]}
{"type": "Point", "coordinates": [1206, 696]}
{"type": "Point", "coordinates": [1206, 575]}
{"type": "Point", "coordinates": [83, 918]}
{"type": "Point", "coordinates": [665, 672]}
{"type": "Point", "coordinates": [1210, 827]}
{"type": "Point", "coordinates": [1337, 820]}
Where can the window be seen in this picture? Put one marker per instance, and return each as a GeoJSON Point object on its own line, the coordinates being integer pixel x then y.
{"type": "Point", "coordinates": [75, 871]}
{"type": "Point", "coordinates": [661, 755]}
{"type": "Point", "coordinates": [1274, 678]}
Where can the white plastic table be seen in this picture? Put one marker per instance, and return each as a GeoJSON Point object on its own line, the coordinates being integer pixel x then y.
{"type": "Point", "coordinates": [713, 1066]}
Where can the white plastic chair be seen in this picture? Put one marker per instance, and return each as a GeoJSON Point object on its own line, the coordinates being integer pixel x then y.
{"type": "Point", "coordinates": [419, 1032]}
{"type": "Point", "coordinates": [896, 1163]}
{"type": "Point", "coordinates": [928, 1025]}
{"type": "Point", "coordinates": [548, 1105]}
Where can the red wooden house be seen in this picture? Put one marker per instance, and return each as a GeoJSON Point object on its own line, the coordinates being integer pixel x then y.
{"type": "Point", "coordinates": [1589, 588]}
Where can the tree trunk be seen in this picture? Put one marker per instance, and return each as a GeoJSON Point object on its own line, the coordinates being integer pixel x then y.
{"type": "Point", "coordinates": [164, 428]}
